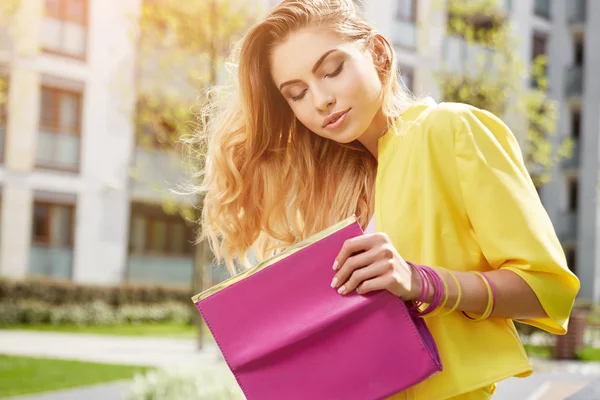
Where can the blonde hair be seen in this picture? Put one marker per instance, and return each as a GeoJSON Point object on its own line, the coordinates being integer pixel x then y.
{"type": "Point", "coordinates": [268, 181]}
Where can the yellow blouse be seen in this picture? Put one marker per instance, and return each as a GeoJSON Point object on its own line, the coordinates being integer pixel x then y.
{"type": "Point", "coordinates": [452, 191]}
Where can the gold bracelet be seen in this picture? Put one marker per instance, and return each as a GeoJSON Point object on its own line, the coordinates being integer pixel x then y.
{"type": "Point", "coordinates": [490, 305]}
{"type": "Point", "coordinates": [458, 294]}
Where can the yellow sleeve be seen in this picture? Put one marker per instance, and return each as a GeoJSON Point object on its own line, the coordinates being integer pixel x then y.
{"type": "Point", "coordinates": [509, 220]}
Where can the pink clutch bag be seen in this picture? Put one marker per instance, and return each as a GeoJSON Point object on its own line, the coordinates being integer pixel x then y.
{"type": "Point", "coordinates": [286, 334]}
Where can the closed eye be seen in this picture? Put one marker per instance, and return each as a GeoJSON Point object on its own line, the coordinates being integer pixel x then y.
{"type": "Point", "coordinates": [299, 97]}
{"type": "Point", "coordinates": [336, 72]}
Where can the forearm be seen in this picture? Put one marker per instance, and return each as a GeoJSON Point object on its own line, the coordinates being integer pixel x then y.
{"type": "Point", "coordinates": [514, 297]}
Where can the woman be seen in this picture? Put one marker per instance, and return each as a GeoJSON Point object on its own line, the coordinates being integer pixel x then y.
{"type": "Point", "coordinates": [320, 129]}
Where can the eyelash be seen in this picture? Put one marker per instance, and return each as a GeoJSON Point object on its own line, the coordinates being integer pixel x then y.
{"type": "Point", "coordinates": [332, 75]}
{"type": "Point", "coordinates": [336, 72]}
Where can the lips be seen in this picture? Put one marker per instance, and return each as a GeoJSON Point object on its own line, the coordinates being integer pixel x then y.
{"type": "Point", "coordinates": [334, 117]}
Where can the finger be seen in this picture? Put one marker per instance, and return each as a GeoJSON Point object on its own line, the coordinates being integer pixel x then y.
{"type": "Point", "coordinates": [365, 274]}
{"type": "Point", "coordinates": [353, 245]}
{"type": "Point", "coordinates": [380, 282]}
{"type": "Point", "coordinates": [352, 264]}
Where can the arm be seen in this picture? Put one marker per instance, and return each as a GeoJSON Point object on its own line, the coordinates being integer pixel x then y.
{"type": "Point", "coordinates": [527, 264]}
{"type": "Point", "coordinates": [511, 225]}
{"type": "Point", "coordinates": [514, 297]}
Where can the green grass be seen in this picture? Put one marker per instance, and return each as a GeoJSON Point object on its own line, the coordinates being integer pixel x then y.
{"type": "Point", "coordinates": [145, 329]}
{"type": "Point", "coordinates": [24, 375]}
{"type": "Point", "coordinates": [586, 354]}
{"type": "Point", "coordinates": [538, 351]}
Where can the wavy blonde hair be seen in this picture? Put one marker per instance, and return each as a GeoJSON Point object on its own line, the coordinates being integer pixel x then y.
{"type": "Point", "coordinates": [268, 181]}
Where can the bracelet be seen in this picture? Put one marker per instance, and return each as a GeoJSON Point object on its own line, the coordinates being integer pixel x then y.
{"type": "Point", "coordinates": [438, 294]}
{"type": "Point", "coordinates": [493, 293]}
{"type": "Point", "coordinates": [458, 294]}
{"type": "Point", "coordinates": [444, 301]}
{"type": "Point", "coordinates": [491, 299]}
{"type": "Point", "coordinates": [424, 287]}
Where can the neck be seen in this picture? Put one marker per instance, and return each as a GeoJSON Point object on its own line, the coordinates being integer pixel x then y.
{"type": "Point", "coordinates": [378, 128]}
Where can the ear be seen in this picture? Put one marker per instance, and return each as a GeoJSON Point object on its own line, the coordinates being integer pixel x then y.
{"type": "Point", "coordinates": [380, 50]}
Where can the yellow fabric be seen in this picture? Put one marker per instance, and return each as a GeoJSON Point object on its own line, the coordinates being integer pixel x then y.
{"type": "Point", "coordinates": [479, 394]}
{"type": "Point", "coordinates": [452, 191]}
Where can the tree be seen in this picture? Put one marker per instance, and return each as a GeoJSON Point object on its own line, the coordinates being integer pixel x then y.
{"type": "Point", "coordinates": [492, 76]}
{"type": "Point", "coordinates": [182, 49]}
{"type": "Point", "coordinates": [8, 8]}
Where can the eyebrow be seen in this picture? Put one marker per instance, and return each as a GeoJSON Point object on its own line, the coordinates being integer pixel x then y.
{"type": "Point", "coordinates": [314, 69]}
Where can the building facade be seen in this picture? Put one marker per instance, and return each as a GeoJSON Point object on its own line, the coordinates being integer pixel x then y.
{"type": "Point", "coordinates": [71, 208]}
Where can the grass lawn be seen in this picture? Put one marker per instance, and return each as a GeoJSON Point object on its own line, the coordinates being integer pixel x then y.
{"type": "Point", "coordinates": [23, 375]}
{"type": "Point", "coordinates": [145, 329]}
{"type": "Point", "coordinates": [587, 354]}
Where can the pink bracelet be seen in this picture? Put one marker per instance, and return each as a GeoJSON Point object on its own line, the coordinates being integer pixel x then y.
{"type": "Point", "coordinates": [429, 279]}
{"type": "Point", "coordinates": [425, 287]}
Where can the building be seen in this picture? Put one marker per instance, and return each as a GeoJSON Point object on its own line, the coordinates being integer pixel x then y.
{"type": "Point", "coordinates": [70, 207]}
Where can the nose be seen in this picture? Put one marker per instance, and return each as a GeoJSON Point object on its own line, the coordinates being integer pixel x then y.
{"type": "Point", "coordinates": [324, 101]}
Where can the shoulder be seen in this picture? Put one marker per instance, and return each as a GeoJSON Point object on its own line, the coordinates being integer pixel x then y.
{"type": "Point", "coordinates": [459, 121]}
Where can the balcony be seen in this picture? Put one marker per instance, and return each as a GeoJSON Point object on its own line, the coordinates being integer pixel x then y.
{"type": "Point", "coordinates": [541, 8]}
{"type": "Point", "coordinates": [566, 227]}
{"type": "Point", "coordinates": [574, 82]}
{"type": "Point", "coordinates": [576, 16]}
{"type": "Point", "coordinates": [152, 269]}
{"type": "Point", "coordinates": [54, 262]}
{"type": "Point", "coordinates": [574, 161]}
{"type": "Point", "coordinates": [404, 34]}
{"type": "Point", "coordinates": [58, 151]}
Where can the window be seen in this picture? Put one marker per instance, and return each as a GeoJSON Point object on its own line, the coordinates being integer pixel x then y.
{"type": "Point", "coordinates": [51, 252]}
{"type": "Point", "coordinates": [59, 129]}
{"type": "Point", "coordinates": [571, 256]}
{"type": "Point", "coordinates": [407, 77]}
{"type": "Point", "coordinates": [573, 193]}
{"type": "Point", "coordinates": [579, 53]}
{"type": "Point", "coordinates": [576, 125]}
{"type": "Point", "coordinates": [407, 10]}
{"type": "Point", "coordinates": [53, 224]}
{"type": "Point", "coordinates": [541, 8]}
{"type": "Point", "coordinates": [153, 232]}
{"type": "Point", "coordinates": [64, 27]}
{"type": "Point", "coordinates": [540, 44]}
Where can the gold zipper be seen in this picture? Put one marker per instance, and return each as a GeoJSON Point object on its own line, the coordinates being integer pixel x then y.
{"type": "Point", "coordinates": [286, 253]}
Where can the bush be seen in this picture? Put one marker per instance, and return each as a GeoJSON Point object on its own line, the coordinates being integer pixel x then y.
{"type": "Point", "coordinates": [33, 312]}
{"type": "Point", "coordinates": [168, 312]}
{"type": "Point", "coordinates": [68, 314]}
{"type": "Point", "coordinates": [185, 383]}
{"type": "Point", "coordinates": [10, 313]}
{"type": "Point", "coordinates": [94, 313]}
{"type": "Point", "coordinates": [64, 292]}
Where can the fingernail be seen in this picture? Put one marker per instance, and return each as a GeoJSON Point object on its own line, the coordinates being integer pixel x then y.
{"type": "Point", "coordinates": [335, 265]}
{"type": "Point", "coordinates": [342, 289]}
{"type": "Point", "coordinates": [334, 282]}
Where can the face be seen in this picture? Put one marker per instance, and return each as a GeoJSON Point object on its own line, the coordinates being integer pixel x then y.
{"type": "Point", "coordinates": [331, 84]}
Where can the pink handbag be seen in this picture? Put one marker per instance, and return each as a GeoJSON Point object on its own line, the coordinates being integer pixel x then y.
{"type": "Point", "coordinates": [286, 334]}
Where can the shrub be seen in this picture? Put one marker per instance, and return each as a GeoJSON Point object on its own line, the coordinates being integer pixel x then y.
{"type": "Point", "coordinates": [185, 383]}
{"type": "Point", "coordinates": [93, 313]}
{"type": "Point", "coordinates": [55, 292]}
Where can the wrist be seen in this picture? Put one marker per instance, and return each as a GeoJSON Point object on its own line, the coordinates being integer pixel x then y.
{"type": "Point", "coordinates": [417, 286]}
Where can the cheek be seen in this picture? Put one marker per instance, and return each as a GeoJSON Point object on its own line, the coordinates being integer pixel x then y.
{"type": "Point", "coordinates": [363, 84]}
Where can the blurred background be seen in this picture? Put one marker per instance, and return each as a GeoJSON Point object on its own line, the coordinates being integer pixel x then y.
{"type": "Point", "coordinates": [97, 261]}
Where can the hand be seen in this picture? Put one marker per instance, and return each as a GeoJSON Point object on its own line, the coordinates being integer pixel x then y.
{"type": "Point", "coordinates": [371, 262]}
